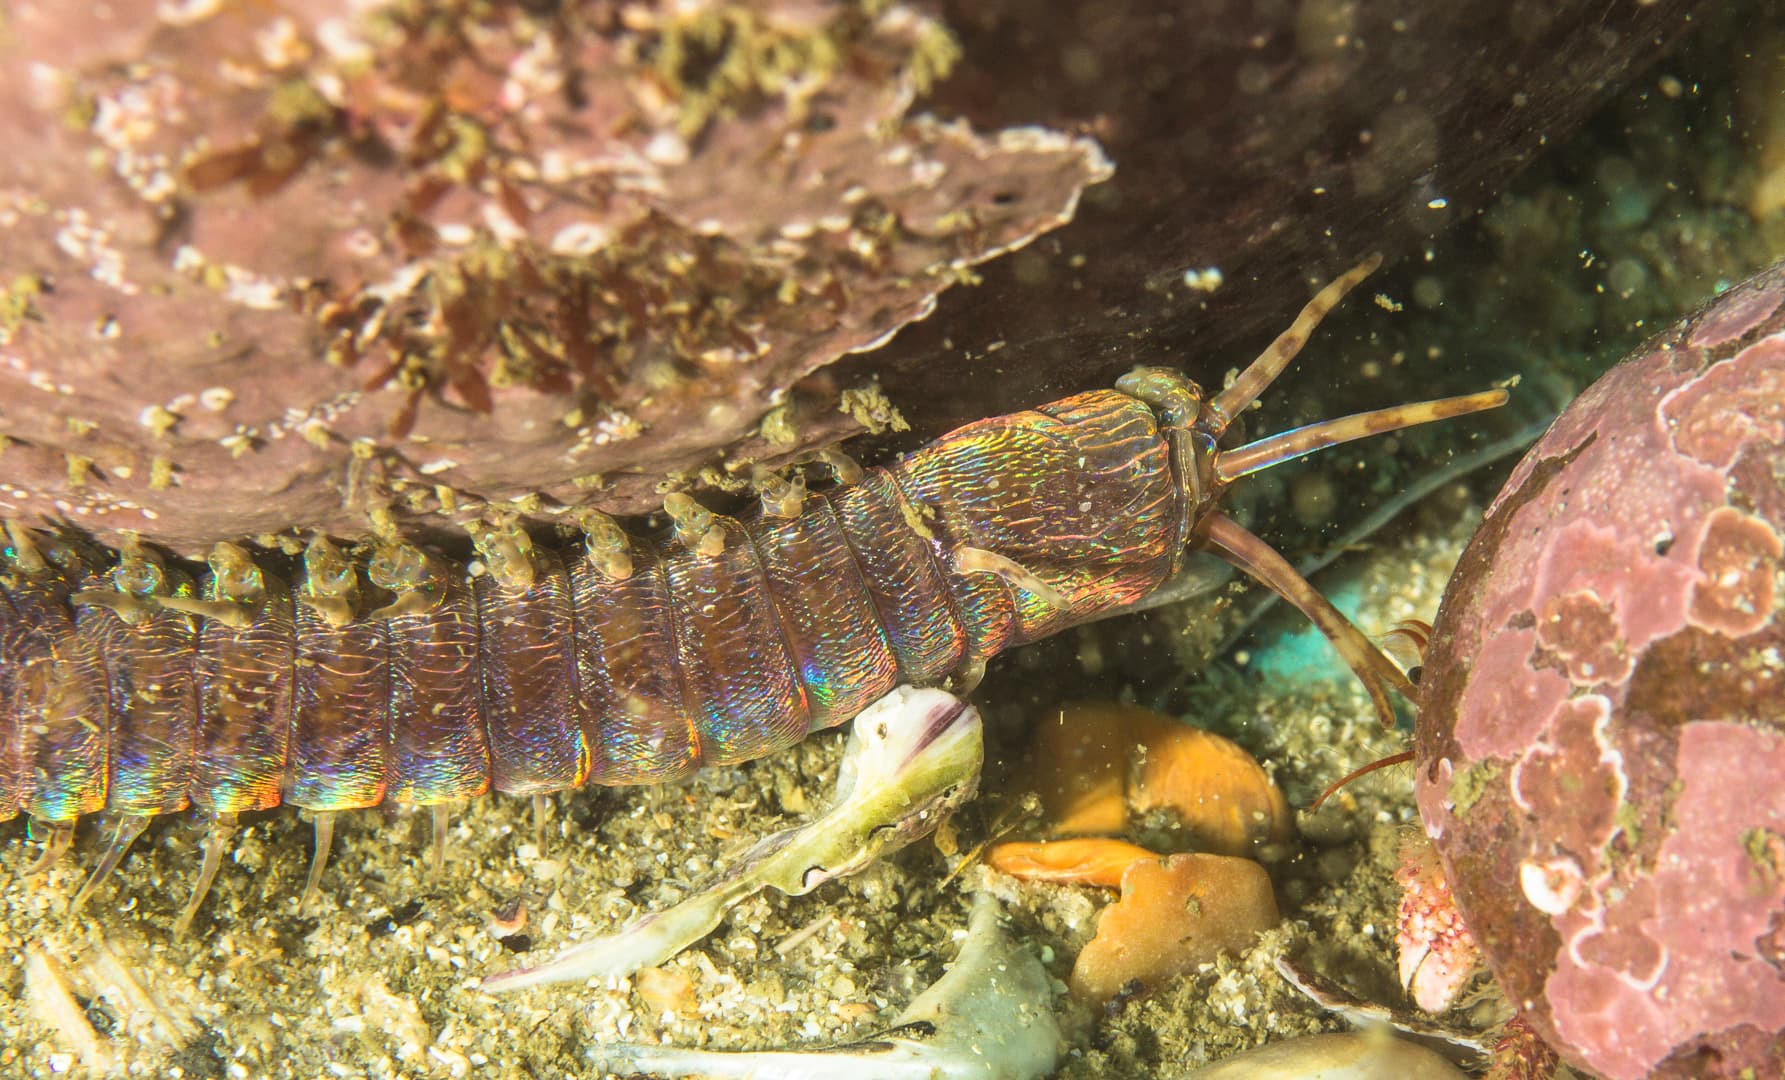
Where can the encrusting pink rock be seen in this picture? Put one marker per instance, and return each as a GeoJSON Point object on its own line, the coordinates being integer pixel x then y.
{"type": "Point", "coordinates": [1601, 732]}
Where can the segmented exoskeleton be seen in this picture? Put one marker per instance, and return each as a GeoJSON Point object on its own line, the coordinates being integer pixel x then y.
{"type": "Point", "coordinates": [136, 692]}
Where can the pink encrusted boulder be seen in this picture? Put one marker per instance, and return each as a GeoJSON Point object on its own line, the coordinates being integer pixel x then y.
{"type": "Point", "coordinates": [1601, 745]}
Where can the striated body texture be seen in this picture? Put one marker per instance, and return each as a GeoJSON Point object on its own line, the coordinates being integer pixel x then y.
{"type": "Point", "coordinates": [550, 670]}
{"type": "Point", "coordinates": [1602, 726]}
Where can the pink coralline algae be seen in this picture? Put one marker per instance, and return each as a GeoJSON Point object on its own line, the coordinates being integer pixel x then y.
{"type": "Point", "coordinates": [1602, 723]}
{"type": "Point", "coordinates": [403, 261]}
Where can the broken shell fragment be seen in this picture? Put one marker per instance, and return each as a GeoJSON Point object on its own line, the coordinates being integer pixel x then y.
{"type": "Point", "coordinates": [1218, 791]}
{"type": "Point", "coordinates": [1350, 1055]}
{"type": "Point", "coordinates": [989, 1018]}
{"type": "Point", "coordinates": [1174, 914]}
{"type": "Point", "coordinates": [1087, 861]}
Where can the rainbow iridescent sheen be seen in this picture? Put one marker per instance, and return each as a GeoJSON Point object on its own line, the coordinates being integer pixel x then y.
{"type": "Point", "coordinates": [439, 746]}
{"type": "Point", "coordinates": [826, 613]}
{"type": "Point", "coordinates": [1079, 493]}
{"type": "Point", "coordinates": [153, 698]}
{"type": "Point", "coordinates": [55, 687]}
{"type": "Point", "coordinates": [539, 728]}
{"type": "Point", "coordinates": [906, 583]}
{"type": "Point", "coordinates": [628, 673]}
{"type": "Point", "coordinates": [738, 674]}
{"type": "Point", "coordinates": [244, 709]}
{"type": "Point", "coordinates": [542, 675]}
{"type": "Point", "coordinates": [340, 747]}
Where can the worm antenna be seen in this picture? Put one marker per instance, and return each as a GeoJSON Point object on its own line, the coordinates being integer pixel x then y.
{"type": "Point", "coordinates": [129, 827]}
{"type": "Point", "coordinates": [1260, 373]}
{"type": "Point", "coordinates": [1245, 460]}
{"type": "Point", "coordinates": [1359, 773]}
{"type": "Point", "coordinates": [1232, 542]}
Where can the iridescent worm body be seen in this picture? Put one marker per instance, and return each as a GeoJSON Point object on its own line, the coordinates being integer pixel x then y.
{"type": "Point", "coordinates": [136, 692]}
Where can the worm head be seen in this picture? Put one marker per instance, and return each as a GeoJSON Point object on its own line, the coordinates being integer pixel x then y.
{"type": "Point", "coordinates": [1193, 422]}
{"type": "Point", "coordinates": [1190, 423]}
{"type": "Point", "coordinates": [1072, 505]}
{"type": "Point", "coordinates": [1191, 427]}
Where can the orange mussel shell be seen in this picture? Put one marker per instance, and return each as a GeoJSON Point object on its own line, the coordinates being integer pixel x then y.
{"type": "Point", "coordinates": [1174, 914]}
{"type": "Point", "coordinates": [1095, 764]}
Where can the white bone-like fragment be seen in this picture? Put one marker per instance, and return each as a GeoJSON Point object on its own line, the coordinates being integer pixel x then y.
{"type": "Point", "coordinates": [913, 756]}
{"type": "Point", "coordinates": [52, 1002]}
